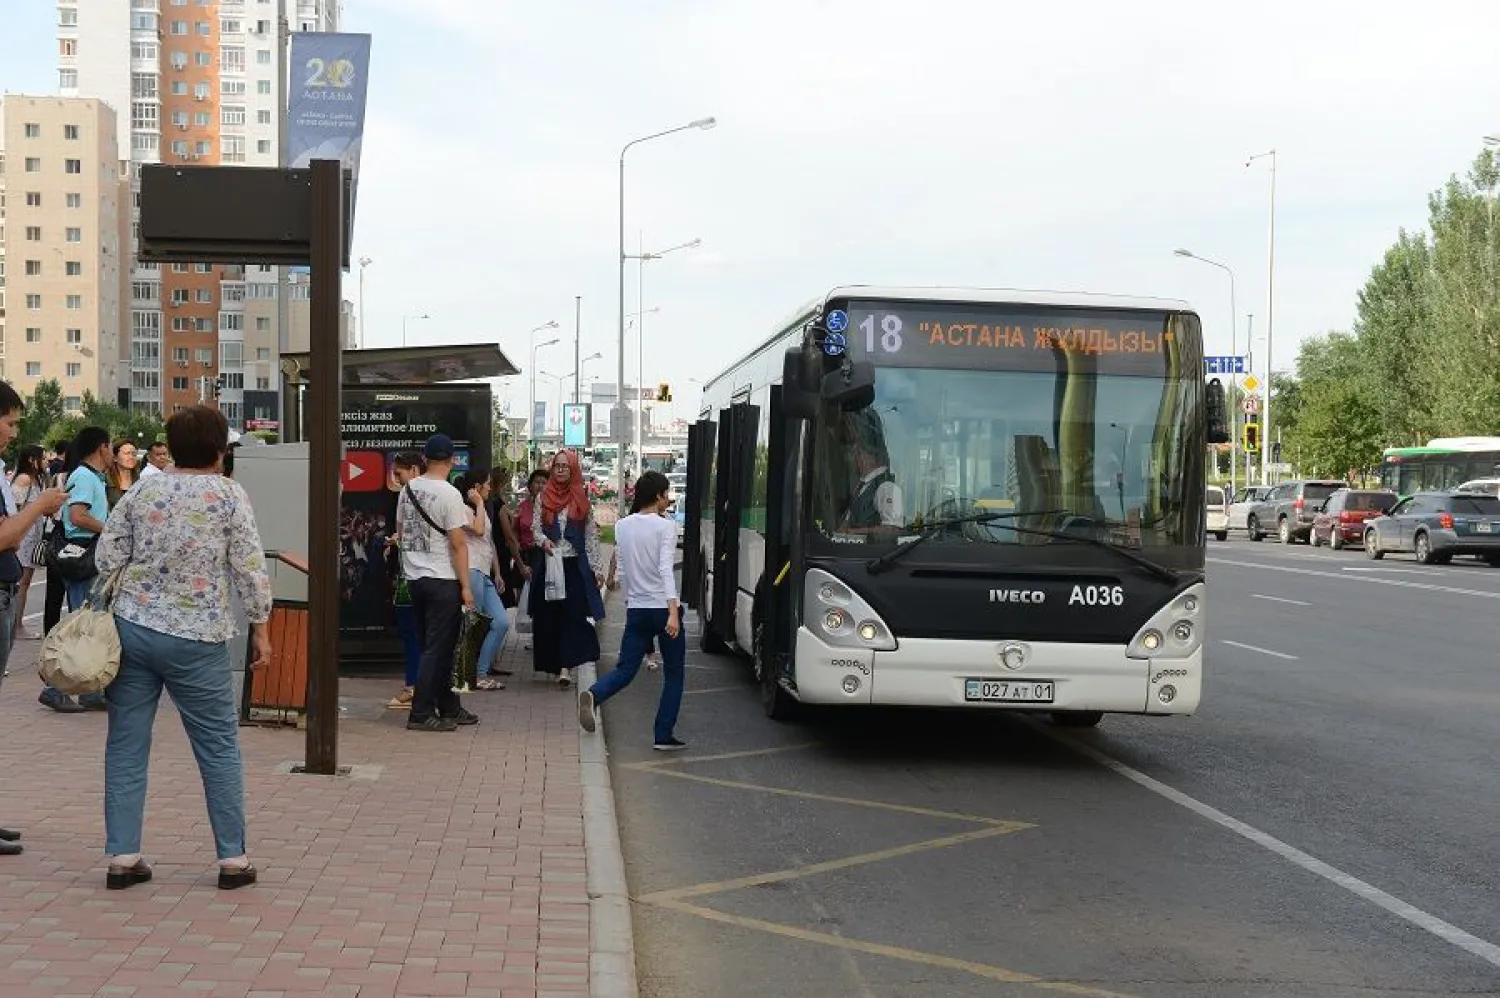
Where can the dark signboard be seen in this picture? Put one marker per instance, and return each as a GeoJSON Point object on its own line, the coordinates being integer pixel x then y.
{"type": "Point", "coordinates": [378, 424]}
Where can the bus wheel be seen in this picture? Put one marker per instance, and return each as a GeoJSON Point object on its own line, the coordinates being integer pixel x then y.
{"type": "Point", "coordinates": [1077, 718]}
{"type": "Point", "coordinates": [776, 701]}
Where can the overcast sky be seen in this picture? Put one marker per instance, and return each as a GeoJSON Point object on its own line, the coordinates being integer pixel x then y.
{"type": "Point", "coordinates": [1063, 146]}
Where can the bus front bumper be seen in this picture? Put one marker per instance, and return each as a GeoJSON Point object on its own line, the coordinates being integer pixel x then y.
{"type": "Point", "coordinates": [930, 672]}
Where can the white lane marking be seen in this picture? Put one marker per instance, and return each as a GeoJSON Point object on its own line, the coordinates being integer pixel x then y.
{"type": "Point", "coordinates": [1446, 931]}
{"type": "Point", "coordinates": [1399, 571]}
{"type": "Point", "coordinates": [1263, 651]}
{"type": "Point", "coordinates": [1359, 578]}
{"type": "Point", "coordinates": [1279, 599]}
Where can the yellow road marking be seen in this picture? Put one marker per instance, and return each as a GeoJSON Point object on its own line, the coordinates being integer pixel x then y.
{"type": "Point", "coordinates": [878, 805]}
{"type": "Point", "coordinates": [743, 754]}
{"type": "Point", "coordinates": [893, 952]}
{"type": "Point", "coordinates": [717, 689]}
{"type": "Point", "coordinates": [828, 866]}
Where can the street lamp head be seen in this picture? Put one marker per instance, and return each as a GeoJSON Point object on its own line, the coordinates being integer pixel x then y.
{"type": "Point", "coordinates": [1182, 252]}
{"type": "Point", "coordinates": [693, 245]}
{"type": "Point", "coordinates": [365, 261]}
{"type": "Point", "coordinates": [704, 123]}
{"type": "Point", "coordinates": [549, 343]}
{"type": "Point", "coordinates": [1492, 141]}
{"type": "Point", "coordinates": [593, 356]}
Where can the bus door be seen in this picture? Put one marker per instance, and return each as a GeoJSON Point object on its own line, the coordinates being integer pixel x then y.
{"type": "Point", "coordinates": [738, 426]}
{"type": "Point", "coordinates": [700, 465]}
{"type": "Point", "coordinates": [774, 599]}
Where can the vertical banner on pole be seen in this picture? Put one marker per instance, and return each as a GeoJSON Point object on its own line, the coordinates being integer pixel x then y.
{"type": "Point", "coordinates": [538, 419]}
{"type": "Point", "coordinates": [326, 103]}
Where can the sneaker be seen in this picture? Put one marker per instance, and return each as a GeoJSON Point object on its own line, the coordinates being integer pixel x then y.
{"type": "Point", "coordinates": [60, 702]}
{"type": "Point", "coordinates": [586, 710]}
{"type": "Point", "coordinates": [433, 723]}
{"type": "Point", "coordinates": [565, 679]}
{"type": "Point", "coordinates": [93, 701]}
{"type": "Point", "coordinates": [463, 717]}
{"type": "Point", "coordinates": [670, 745]}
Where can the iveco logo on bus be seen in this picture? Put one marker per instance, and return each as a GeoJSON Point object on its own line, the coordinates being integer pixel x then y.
{"type": "Point", "coordinates": [1017, 596]}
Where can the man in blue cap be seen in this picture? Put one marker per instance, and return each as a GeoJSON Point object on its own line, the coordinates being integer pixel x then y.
{"type": "Point", "coordinates": [435, 560]}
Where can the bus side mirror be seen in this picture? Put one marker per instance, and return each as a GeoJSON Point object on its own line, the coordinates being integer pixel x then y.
{"type": "Point", "coordinates": [796, 400]}
{"type": "Point", "coordinates": [1214, 411]}
{"type": "Point", "coordinates": [851, 387]}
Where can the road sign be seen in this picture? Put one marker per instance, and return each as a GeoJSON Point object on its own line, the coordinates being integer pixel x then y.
{"type": "Point", "coordinates": [515, 450]}
{"type": "Point", "coordinates": [1225, 365]}
{"type": "Point", "coordinates": [1251, 404]}
{"type": "Point", "coordinates": [1250, 383]}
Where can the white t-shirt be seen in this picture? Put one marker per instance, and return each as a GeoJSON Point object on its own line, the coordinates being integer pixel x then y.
{"type": "Point", "coordinates": [647, 550]}
{"type": "Point", "coordinates": [150, 469]}
{"type": "Point", "coordinates": [481, 551]}
{"type": "Point", "coordinates": [424, 551]}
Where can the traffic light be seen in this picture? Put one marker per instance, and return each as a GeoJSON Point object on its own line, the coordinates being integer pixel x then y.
{"type": "Point", "coordinates": [663, 392]}
{"type": "Point", "coordinates": [1252, 438]}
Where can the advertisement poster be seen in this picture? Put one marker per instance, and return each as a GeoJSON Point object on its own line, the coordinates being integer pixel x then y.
{"type": "Point", "coordinates": [326, 100]}
{"type": "Point", "coordinates": [377, 425]}
{"type": "Point", "coordinates": [576, 429]}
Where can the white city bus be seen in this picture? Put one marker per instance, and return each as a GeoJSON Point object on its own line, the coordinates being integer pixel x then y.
{"type": "Point", "coordinates": [985, 499]}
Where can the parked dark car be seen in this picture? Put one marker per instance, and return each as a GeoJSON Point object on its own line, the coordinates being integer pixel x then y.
{"type": "Point", "coordinates": [1435, 526]}
{"type": "Point", "coordinates": [1289, 509]}
{"type": "Point", "coordinates": [1341, 519]}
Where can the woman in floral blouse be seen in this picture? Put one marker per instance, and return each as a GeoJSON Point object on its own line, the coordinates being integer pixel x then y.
{"type": "Point", "coordinates": [182, 539]}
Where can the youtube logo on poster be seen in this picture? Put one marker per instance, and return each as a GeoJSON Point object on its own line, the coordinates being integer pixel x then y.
{"type": "Point", "coordinates": [363, 471]}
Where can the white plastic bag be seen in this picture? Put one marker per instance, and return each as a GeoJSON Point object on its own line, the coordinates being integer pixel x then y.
{"type": "Point", "coordinates": [523, 609]}
{"type": "Point", "coordinates": [555, 586]}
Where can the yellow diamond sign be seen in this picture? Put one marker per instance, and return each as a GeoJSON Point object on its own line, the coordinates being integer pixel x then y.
{"type": "Point", "coordinates": [1251, 383]}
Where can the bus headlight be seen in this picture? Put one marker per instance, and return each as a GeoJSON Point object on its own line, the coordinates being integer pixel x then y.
{"type": "Point", "coordinates": [836, 608]}
{"type": "Point", "coordinates": [1174, 631]}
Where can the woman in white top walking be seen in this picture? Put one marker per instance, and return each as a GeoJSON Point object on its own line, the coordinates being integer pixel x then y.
{"type": "Point", "coordinates": [646, 544]}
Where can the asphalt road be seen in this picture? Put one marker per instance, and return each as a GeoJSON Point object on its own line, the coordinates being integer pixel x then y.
{"type": "Point", "coordinates": [1326, 825]}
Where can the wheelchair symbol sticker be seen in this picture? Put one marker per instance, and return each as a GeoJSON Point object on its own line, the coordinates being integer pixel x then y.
{"type": "Point", "coordinates": [838, 321]}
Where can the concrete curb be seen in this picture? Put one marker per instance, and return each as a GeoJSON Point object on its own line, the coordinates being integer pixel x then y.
{"type": "Point", "coordinates": [611, 936]}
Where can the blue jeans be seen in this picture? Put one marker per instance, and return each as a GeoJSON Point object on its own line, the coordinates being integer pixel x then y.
{"type": "Point", "coordinates": [411, 641]}
{"type": "Point", "coordinates": [640, 627]}
{"type": "Point", "coordinates": [487, 601]}
{"type": "Point", "coordinates": [196, 674]}
{"type": "Point", "coordinates": [77, 593]}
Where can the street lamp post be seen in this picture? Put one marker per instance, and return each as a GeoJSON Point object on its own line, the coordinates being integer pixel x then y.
{"type": "Point", "coordinates": [364, 262]}
{"type": "Point", "coordinates": [701, 123]}
{"type": "Point", "coordinates": [642, 258]}
{"type": "Point", "coordinates": [1265, 419]}
{"type": "Point", "coordinates": [531, 399]}
{"type": "Point", "coordinates": [407, 318]}
{"type": "Point", "coordinates": [1233, 350]}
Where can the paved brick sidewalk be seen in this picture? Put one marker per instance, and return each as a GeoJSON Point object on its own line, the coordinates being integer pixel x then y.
{"type": "Point", "coordinates": [449, 864]}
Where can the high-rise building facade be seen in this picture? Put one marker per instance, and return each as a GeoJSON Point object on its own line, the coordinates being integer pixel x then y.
{"type": "Point", "coordinates": [199, 78]}
{"type": "Point", "coordinates": [64, 238]}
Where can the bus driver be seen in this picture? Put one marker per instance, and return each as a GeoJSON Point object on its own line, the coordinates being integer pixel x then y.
{"type": "Point", "coordinates": [877, 501]}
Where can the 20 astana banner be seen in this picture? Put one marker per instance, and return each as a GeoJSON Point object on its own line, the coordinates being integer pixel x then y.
{"type": "Point", "coordinates": [326, 105]}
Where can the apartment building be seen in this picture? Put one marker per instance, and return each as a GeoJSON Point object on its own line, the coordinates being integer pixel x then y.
{"type": "Point", "coordinates": [199, 78]}
{"type": "Point", "coordinates": [64, 235]}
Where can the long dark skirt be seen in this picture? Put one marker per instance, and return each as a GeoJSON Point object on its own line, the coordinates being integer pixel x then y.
{"type": "Point", "coordinates": [562, 637]}
{"type": "Point", "coordinates": [510, 571]}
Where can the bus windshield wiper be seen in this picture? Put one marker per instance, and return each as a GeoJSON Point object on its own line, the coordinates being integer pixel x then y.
{"type": "Point", "coordinates": [877, 565]}
{"type": "Point", "coordinates": [1160, 571]}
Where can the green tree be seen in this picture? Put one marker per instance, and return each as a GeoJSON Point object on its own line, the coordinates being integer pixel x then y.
{"type": "Point", "coordinates": [1395, 329]}
{"type": "Point", "coordinates": [1337, 428]}
{"type": "Point", "coordinates": [44, 408]}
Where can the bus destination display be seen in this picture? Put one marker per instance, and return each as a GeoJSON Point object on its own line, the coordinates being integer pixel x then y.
{"type": "Point", "coordinates": [1002, 337]}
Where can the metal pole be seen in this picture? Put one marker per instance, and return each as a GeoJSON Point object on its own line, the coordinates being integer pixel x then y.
{"type": "Point", "coordinates": [1250, 350]}
{"type": "Point", "coordinates": [531, 403]}
{"type": "Point", "coordinates": [640, 347]}
{"type": "Point", "coordinates": [324, 460]}
{"type": "Point", "coordinates": [1234, 417]}
{"type": "Point", "coordinates": [362, 265]}
{"type": "Point", "coordinates": [291, 413]}
{"type": "Point", "coordinates": [1265, 418]}
{"type": "Point", "coordinates": [577, 338]}
{"type": "Point", "coordinates": [620, 408]}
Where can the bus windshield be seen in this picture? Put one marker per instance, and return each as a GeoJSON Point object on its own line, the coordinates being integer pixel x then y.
{"type": "Point", "coordinates": [1087, 419]}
